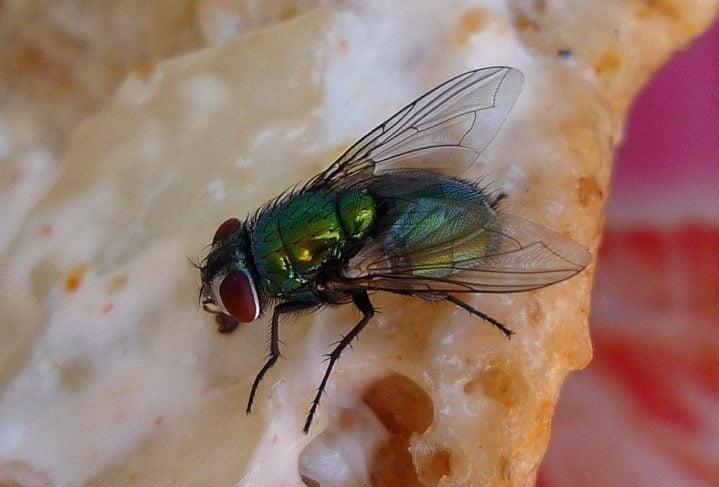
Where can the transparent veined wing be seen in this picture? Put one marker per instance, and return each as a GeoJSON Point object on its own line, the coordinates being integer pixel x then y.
{"type": "Point", "coordinates": [439, 234]}
{"type": "Point", "coordinates": [529, 257]}
{"type": "Point", "coordinates": [444, 130]}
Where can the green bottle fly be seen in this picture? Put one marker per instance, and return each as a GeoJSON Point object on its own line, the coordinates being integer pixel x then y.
{"type": "Point", "coordinates": [391, 214]}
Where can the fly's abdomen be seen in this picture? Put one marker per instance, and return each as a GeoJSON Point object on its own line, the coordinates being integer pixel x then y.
{"type": "Point", "coordinates": [294, 239]}
{"type": "Point", "coordinates": [433, 223]}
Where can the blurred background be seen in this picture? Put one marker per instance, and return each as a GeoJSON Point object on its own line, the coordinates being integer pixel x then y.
{"type": "Point", "coordinates": [646, 411]}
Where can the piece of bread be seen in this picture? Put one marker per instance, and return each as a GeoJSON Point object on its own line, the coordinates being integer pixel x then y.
{"type": "Point", "coordinates": [113, 375]}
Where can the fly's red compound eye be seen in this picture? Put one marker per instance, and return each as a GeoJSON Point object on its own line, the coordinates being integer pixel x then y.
{"type": "Point", "coordinates": [227, 228]}
{"type": "Point", "coordinates": [239, 297]}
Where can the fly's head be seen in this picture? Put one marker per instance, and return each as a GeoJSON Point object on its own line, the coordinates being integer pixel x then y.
{"type": "Point", "coordinates": [228, 288]}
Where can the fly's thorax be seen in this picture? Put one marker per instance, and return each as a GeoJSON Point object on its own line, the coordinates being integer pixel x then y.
{"type": "Point", "coordinates": [357, 212]}
{"type": "Point", "coordinates": [293, 238]}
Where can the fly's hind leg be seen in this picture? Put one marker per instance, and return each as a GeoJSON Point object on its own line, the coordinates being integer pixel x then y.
{"type": "Point", "coordinates": [280, 309]}
{"type": "Point", "coordinates": [476, 312]}
{"type": "Point", "coordinates": [362, 302]}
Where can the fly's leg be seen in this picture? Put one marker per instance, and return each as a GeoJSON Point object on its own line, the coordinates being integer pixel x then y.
{"type": "Point", "coordinates": [476, 312]}
{"type": "Point", "coordinates": [362, 302]}
{"type": "Point", "coordinates": [225, 324]}
{"type": "Point", "coordinates": [280, 309]}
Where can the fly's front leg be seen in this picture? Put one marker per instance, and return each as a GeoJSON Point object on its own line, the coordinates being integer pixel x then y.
{"type": "Point", "coordinates": [362, 302]}
{"type": "Point", "coordinates": [225, 324]}
{"type": "Point", "coordinates": [280, 309]}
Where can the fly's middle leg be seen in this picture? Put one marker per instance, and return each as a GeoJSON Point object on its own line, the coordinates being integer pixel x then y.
{"type": "Point", "coordinates": [362, 302]}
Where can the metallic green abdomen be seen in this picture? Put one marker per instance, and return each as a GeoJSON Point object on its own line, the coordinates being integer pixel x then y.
{"type": "Point", "coordinates": [292, 240]}
{"type": "Point", "coordinates": [433, 223]}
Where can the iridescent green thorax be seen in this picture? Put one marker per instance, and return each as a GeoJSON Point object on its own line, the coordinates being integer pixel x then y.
{"type": "Point", "coordinates": [293, 239]}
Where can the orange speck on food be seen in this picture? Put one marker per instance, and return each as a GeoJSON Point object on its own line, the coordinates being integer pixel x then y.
{"type": "Point", "coordinates": [117, 283]}
{"type": "Point", "coordinates": [145, 69]}
{"type": "Point", "coordinates": [288, 13]}
{"type": "Point", "coordinates": [608, 63]}
{"type": "Point", "coordinates": [46, 230]}
{"type": "Point", "coordinates": [589, 192]}
{"type": "Point", "coordinates": [159, 420]}
{"type": "Point", "coordinates": [245, 176]}
{"type": "Point", "coordinates": [31, 59]}
{"type": "Point", "coordinates": [74, 279]}
{"type": "Point", "coordinates": [107, 309]}
{"type": "Point", "coordinates": [668, 9]}
{"type": "Point", "coordinates": [345, 421]}
{"type": "Point", "coordinates": [471, 21]}
{"type": "Point", "coordinates": [524, 24]}
{"type": "Point", "coordinates": [343, 45]}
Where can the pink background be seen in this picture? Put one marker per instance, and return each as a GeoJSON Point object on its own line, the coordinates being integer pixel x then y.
{"type": "Point", "coordinates": [669, 160]}
{"type": "Point", "coordinates": [646, 411]}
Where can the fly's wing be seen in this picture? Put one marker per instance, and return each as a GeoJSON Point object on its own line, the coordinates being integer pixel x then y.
{"type": "Point", "coordinates": [444, 130]}
{"type": "Point", "coordinates": [520, 256]}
